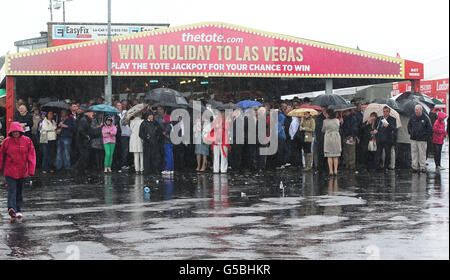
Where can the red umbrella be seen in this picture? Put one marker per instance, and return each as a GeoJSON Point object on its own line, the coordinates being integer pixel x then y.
{"type": "Point", "coordinates": [309, 106]}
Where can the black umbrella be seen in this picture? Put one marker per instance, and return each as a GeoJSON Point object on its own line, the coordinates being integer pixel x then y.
{"type": "Point", "coordinates": [407, 107]}
{"type": "Point", "coordinates": [166, 96]}
{"type": "Point", "coordinates": [55, 105]}
{"type": "Point", "coordinates": [342, 107]}
{"type": "Point", "coordinates": [417, 96]}
{"type": "Point", "coordinates": [202, 108]}
{"type": "Point", "coordinates": [408, 100]}
{"type": "Point", "coordinates": [170, 105]}
{"type": "Point", "coordinates": [388, 101]}
{"type": "Point", "coordinates": [326, 100]}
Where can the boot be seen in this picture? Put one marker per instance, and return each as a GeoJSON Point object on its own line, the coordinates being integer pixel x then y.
{"type": "Point", "coordinates": [308, 162]}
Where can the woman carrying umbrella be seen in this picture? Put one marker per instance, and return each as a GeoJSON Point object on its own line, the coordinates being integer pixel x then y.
{"type": "Point", "coordinates": [332, 140]}
{"type": "Point", "coordinates": [307, 125]}
{"type": "Point", "coordinates": [109, 131]}
{"type": "Point", "coordinates": [136, 143]}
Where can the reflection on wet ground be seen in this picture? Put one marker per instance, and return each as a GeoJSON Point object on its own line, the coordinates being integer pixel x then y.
{"type": "Point", "coordinates": [397, 215]}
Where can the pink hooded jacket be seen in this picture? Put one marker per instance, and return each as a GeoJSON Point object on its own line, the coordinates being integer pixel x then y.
{"type": "Point", "coordinates": [17, 155]}
{"type": "Point", "coordinates": [439, 132]}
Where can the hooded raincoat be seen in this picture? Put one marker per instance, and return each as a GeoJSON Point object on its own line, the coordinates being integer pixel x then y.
{"type": "Point", "coordinates": [17, 155]}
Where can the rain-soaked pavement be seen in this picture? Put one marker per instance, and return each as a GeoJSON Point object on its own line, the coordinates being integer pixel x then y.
{"type": "Point", "coordinates": [398, 215]}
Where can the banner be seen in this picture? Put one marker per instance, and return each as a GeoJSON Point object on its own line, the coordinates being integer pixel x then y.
{"type": "Point", "coordinates": [212, 49]}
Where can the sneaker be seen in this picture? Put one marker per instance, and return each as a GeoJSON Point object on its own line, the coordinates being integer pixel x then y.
{"type": "Point", "coordinates": [12, 213]}
{"type": "Point", "coordinates": [19, 215]}
{"type": "Point", "coordinates": [287, 165]}
{"type": "Point", "coordinates": [165, 172]}
{"type": "Point", "coordinates": [126, 167]}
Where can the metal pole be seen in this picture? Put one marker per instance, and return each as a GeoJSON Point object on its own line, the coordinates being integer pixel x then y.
{"type": "Point", "coordinates": [108, 88]}
{"type": "Point", "coordinates": [51, 11]}
{"type": "Point", "coordinates": [328, 86]}
{"type": "Point", "coordinates": [64, 11]}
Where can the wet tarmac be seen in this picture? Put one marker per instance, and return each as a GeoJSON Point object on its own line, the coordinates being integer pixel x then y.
{"type": "Point", "coordinates": [398, 215]}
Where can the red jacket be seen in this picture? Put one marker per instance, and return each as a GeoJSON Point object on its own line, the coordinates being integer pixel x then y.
{"type": "Point", "coordinates": [17, 155]}
{"type": "Point", "coordinates": [439, 132]}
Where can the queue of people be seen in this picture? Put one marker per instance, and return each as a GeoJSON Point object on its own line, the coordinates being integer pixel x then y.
{"type": "Point", "coordinates": [78, 140]}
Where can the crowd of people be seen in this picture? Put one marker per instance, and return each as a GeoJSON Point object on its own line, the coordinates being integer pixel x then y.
{"type": "Point", "coordinates": [78, 139]}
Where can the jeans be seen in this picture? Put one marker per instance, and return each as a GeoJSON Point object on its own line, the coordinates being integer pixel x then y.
{"type": "Point", "coordinates": [125, 150]}
{"type": "Point", "coordinates": [169, 157]}
{"type": "Point", "coordinates": [48, 155]}
{"type": "Point", "coordinates": [64, 146]}
{"type": "Point", "coordinates": [15, 193]}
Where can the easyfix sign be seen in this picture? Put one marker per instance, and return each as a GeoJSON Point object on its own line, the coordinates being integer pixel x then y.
{"type": "Point", "coordinates": [62, 34]}
{"type": "Point", "coordinates": [212, 49]}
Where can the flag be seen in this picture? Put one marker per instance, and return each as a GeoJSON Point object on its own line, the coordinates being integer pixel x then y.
{"type": "Point", "coordinates": [398, 55]}
{"type": "Point", "coordinates": [357, 47]}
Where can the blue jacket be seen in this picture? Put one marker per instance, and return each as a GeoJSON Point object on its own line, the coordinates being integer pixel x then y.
{"type": "Point", "coordinates": [420, 128]}
{"type": "Point", "coordinates": [67, 132]}
{"type": "Point", "coordinates": [281, 133]}
{"type": "Point", "coordinates": [350, 126]}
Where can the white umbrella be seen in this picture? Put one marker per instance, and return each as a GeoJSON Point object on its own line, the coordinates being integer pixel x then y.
{"type": "Point", "coordinates": [378, 108]}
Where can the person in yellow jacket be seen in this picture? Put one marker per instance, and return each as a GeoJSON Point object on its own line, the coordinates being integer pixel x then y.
{"type": "Point", "coordinates": [307, 126]}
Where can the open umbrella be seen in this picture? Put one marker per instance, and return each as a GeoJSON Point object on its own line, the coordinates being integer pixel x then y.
{"type": "Point", "coordinates": [301, 112]}
{"type": "Point", "coordinates": [326, 100]}
{"type": "Point", "coordinates": [55, 105]}
{"type": "Point", "coordinates": [407, 107]}
{"type": "Point", "coordinates": [245, 104]}
{"type": "Point", "coordinates": [342, 107]}
{"type": "Point", "coordinates": [166, 95]}
{"type": "Point", "coordinates": [378, 108]}
{"type": "Point", "coordinates": [388, 101]}
{"type": "Point", "coordinates": [437, 101]}
{"type": "Point", "coordinates": [417, 96]}
{"type": "Point", "coordinates": [170, 105]}
{"type": "Point", "coordinates": [104, 109]}
{"type": "Point", "coordinates": [315, 107]}
{"type": "Point", "coordinates": [135, 110]}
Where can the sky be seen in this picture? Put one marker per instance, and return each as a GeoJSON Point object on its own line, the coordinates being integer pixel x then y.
{"type": "Point", "coordinates": [418, 30]}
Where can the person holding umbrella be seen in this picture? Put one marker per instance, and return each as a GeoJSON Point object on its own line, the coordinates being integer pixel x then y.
{"type": "Point", "coordinates": [419, 129]}
{"type": "Point", "coordinates": [84, 136]}
{"type": "Point", "coordinates": [18, 159]}
{"type": "Point", "coordinates": [152, 136]}
{"type": "Point", "coordinates": [307, 125]}
{"type": "Point", "coordinates": [109, 131]}
{"type": "Point", "coordinates": [47, 141]}
{"type": "Point", "coordinates": [332, 141]}
{"type": "Point", "coordinates": [385, 136]}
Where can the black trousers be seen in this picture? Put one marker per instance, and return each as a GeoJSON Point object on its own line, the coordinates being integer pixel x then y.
{"type": "Point", "coordinates": [437, 154]}
{"type": "Point", "coordinates": [83, 159]}
{"type": "Point", "coordinates": [236, 157]}
{"type": "Point", "coordinates": [386, 146]}
{"type": "Point", "coordinates": [178, 156]}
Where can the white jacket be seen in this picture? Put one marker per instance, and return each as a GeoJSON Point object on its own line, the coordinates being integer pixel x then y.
{"type": "Point", "coordinates": [136, 144]}
{"type": "Point", "coordinates": [49, 128]}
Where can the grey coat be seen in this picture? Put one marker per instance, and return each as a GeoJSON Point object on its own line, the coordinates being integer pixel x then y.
{"type": "Point", "coordinates": [332, 138]}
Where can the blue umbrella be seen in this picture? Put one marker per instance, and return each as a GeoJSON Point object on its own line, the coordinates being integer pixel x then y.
{"type": "Point", "coordinates": [104, 108]}
{"type": "Point", "coordinates": [245, 104]}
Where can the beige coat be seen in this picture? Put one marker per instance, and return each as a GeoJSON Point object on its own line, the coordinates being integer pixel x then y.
{"type": "Point", "coordinates": [332, 138]}
{"type": "Point", "coordinates": [309, 126]}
